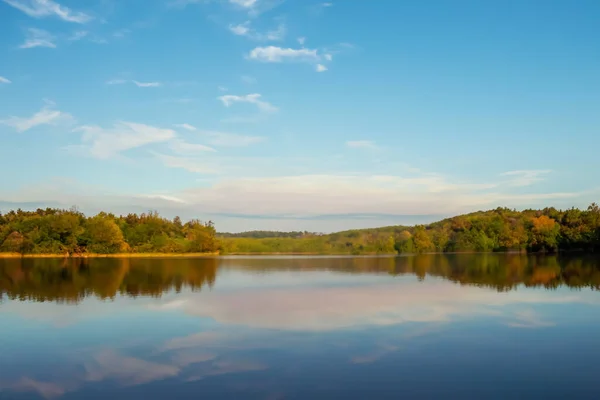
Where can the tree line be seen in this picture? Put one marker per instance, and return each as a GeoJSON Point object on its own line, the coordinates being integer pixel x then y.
{"type": "Point", "coordinates": [498, 230]}
{"type": "Point", "coordinates": [55, 231]}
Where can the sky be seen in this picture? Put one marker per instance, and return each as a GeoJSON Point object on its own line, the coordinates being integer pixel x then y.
{"type": "Point", "coordinates": [299, 114]}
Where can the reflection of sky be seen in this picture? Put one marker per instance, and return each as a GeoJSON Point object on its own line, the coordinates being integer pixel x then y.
{"type": "Point", "coordinates": [276, 334]}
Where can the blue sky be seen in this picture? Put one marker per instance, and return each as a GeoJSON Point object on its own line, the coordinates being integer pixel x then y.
{"type": "Point", "coordinates": [289, 114]}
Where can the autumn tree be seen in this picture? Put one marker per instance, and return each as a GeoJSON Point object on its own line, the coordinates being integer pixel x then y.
{"type": "Point", "coordinates": [544, 233]}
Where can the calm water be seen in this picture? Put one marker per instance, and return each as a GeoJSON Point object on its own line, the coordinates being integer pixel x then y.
{"type": "Point", "coordinates": [431, 326]}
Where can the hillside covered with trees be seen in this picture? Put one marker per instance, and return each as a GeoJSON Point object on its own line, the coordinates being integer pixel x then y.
{"type": "Point", "coordinates": [54, 231]}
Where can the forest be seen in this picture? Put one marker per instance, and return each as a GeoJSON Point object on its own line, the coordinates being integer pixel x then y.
{"type": "Point", "coordinates": [70, 232]}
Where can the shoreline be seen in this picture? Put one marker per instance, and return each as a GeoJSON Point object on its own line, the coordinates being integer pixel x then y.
{"type": "Point", "coordinates": [262, 254]}
{"type": "Point", "coordinates": [116, 255]}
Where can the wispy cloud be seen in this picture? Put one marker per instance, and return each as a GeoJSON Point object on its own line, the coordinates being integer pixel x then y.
{"type": "Point", "coordinates": [230, 139]}
{"type": "Point", "coordinates": [321, 68]}
{"type": "Point", "coordinates": [107, 142]}
{"type": "Point", "coordinates": [362, 144]}
{"type": "Point", "coordinates": [255, 98]}
{"type": "Point", "coordinates": [525, 177]}
{"type": "Point", "coordinates": [276, 54]}
{"type": "Point", "coordinates": [182, 147]}
{"type": "Point", "coordinates": [38, 38]}
{"type": "Point", "coordinates": [4, 80]}
{"type": "Point", "coordinates": [244, 3]}
{"type": "Point", "coordinates": [187, 127]}
{"type": "Point", "coordinates": [301, 40]}
{"type": "Point", "coordinates": [246, 30]}
{"type": "Point", "coordinates": [47, 8]}
{"type": "Point", "coordinates": [136, 83]}
{"type": "Point", "coordinates": [46, 116]}
{"type": "Point", "coordinates": [147, 84]}
{"type": "Point", "coordinates": [319, 9]}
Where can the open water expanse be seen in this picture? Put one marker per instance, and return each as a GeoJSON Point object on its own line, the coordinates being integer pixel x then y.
{"type": "Point", "coordinates": [476, 326]}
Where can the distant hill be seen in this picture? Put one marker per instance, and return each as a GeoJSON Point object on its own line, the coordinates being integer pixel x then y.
{"type": "Point", "coordinates": [501, 229]}
{"type": "Point", "coordinates": [265, 234]}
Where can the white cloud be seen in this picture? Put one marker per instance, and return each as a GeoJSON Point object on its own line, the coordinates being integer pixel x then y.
{"type": "Point", "coordinates": [362, 144]}
{"type": "Point", "coordinates": [47, 8]}
{"type": "Point", "coordinates": [78, 35]}
{"type": "Point", "coordinates": [136, 83]}
{"type": "Point", "coordinates": [326, 4]}
{"type": "Point", "coordinates": [46, 116]}
{"type": "Point", "coordinates": [278, 54]}
{"type": "Point", "coordinates": [245, 30]}
{"type": "Point", "coordinates": [147, 84]}
{"type": "Point", "coordinates": [241, 30]}
{"type": "Point", "coordinates": [187, 127]}
{"type": "Point", "coordinates": [182, 147]}
{"type": "Point", "coordinates": [328, 57]}
{"type": "Point", "coordinates": [244, 3]}
{"type": "Point", "coordinates": [229, 100]}
{"type": "Point", "coordinates": [525, 177]}
{"type": "Point", "coordinates": [4, 80]}
{"type": "Point", "coordinates": [301, 40]}
{"type": "Point", "coordinates": [230, 139]}
{"type": "Point", "coordinates": [107, 142]}
{"type": "Point", "coordinates": [321, 68]}
{"type": "Point", "coordinates": [222, 88]}
{"type": "Point", "coordinates": [38, 38]}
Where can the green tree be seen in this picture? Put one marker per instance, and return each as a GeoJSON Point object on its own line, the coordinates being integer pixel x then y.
{"type": "Point", "coordinates": [104, 236]}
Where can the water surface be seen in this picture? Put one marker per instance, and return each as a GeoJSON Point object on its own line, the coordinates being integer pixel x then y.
{"type": "Point", "coordinates": [454, 326]}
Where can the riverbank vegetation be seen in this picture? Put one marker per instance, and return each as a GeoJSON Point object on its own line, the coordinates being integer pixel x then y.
{"type": "Point", "coordinates": [62, 232]}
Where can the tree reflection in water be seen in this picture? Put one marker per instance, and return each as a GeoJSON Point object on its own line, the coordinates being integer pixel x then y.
{"type": "Point", "coordinates": [71, 280]}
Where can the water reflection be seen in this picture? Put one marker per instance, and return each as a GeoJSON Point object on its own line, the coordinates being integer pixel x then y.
{"type": "Point", "coordinates": [300, 327]}
{"type": "Point", "coordinates": [71, 280]}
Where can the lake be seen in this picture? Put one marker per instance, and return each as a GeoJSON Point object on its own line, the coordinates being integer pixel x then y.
{"type": "Point", "coordinates": [429, 326]}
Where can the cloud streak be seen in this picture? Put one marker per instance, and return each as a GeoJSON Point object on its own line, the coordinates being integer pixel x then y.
{"type": "Point", "coordinates": [254, 98]}
{"type": "Point", "coordinates": [104, 143]}
{"type": "Point", "coordinates": [245, 30]}
{"type": "Point", "coordinates": [274, 54]}
{"type": "Point", "coordinates": [146, 84]}
{"type": "Point", "coordinates": [187, 127]}
{"type": "Point", "coordinates": [38, 38]}
{"type": "Point", "coordinates": [4, 80]}
{"type": "Point", "coordinates": [525, 177]}
{"type": "Point", "coordinates": [46, 116]}
{"type": "Point", "coordinates": [49, 8]}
